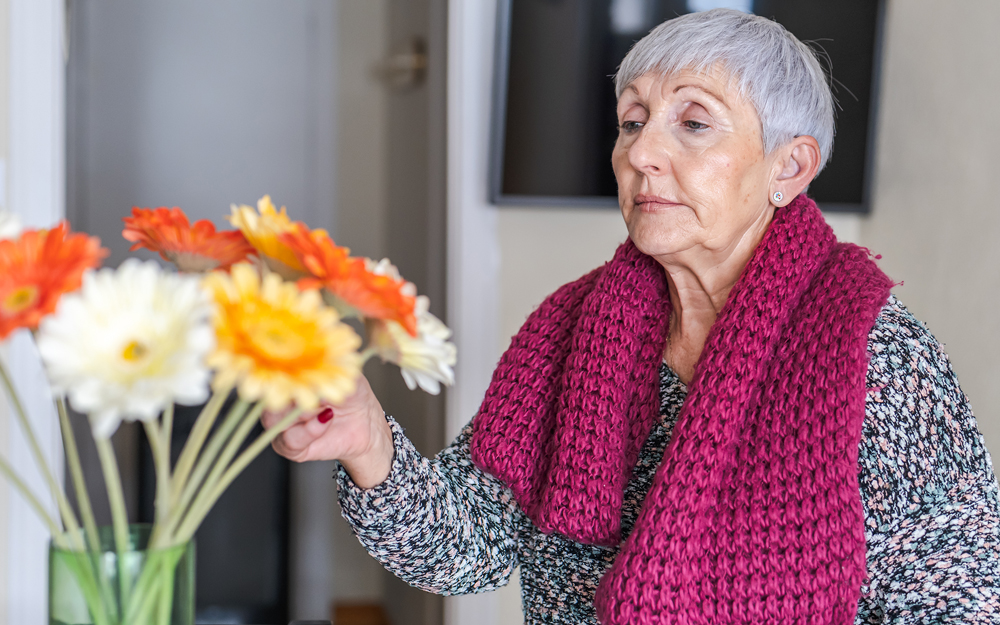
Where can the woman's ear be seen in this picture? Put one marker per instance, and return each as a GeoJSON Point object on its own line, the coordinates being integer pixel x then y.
{"type": "Point", "coordinates": [799, 165]}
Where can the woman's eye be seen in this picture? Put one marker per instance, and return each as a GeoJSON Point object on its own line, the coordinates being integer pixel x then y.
{"type": "Point", "coordinates": [629, 127]}
{"type": "Point", "coordinates": [691, 124]}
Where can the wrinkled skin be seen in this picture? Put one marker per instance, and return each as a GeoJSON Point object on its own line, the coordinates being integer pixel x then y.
{"type": "Point", "coordinates": [696, 191]}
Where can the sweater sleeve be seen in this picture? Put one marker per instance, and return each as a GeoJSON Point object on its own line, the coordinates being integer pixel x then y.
{"type": "Point", "coordinates": [932, 505]}
{"type": "Point", "coordinates": [442, 524]}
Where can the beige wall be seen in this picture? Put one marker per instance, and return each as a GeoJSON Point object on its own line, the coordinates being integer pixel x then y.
{"type": "Point", "coordinates": [545, 248]}
{"type": "Point", "coordinates": [936, 219]}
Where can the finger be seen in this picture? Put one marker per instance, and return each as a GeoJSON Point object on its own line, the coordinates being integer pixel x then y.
{"type": "Point", "coordinates": [317, 424]}
{"type": "Point", "coordinates": [271, 417]}
{"type": "Point", "coordinates": [361, 390]}
{"type": "Point", "coordinates": [295, 439]}
{"type": "Point", "coordinates": [325, 415]}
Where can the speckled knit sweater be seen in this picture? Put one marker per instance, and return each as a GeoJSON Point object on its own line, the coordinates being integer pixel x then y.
{"type": "Point", "coordinates": [931, 504]}
{"type": "Point", "coordinates": [754, 513]}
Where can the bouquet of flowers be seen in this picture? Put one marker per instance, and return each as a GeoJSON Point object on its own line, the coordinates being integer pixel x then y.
{"type": "Point", "coordinates": [258, 310]}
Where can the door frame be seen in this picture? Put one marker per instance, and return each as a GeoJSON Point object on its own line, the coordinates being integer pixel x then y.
{"type": "Point", "coordinates": [473, 266]}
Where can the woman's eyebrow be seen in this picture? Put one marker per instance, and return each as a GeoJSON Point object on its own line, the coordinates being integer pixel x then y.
{"type": "Point", "coordinates": [704, 90]}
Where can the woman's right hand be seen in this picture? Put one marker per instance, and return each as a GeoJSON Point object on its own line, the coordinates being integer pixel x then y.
{"type": "Point", "coordinates": [355, 432]}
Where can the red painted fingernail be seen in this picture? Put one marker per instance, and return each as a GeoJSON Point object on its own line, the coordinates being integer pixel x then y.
{"type": "Point", "coordinates": [325, 415]}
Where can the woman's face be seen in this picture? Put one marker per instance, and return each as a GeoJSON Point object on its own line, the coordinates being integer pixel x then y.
{"type": "Point", "coordinates": [692, 174]}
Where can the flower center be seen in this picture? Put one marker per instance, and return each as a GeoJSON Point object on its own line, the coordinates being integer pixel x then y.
{"type": "Point", "coordinates": [192, 261]}
{"type": "Point", "coordinates": [21, 299]}
{"type": "Point", "coordinates": [277, 341]}
{"type": "Point", "coordinates": [134, 351]}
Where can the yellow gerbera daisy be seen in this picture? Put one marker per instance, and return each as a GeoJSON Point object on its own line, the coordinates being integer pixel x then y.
{"type": "Point", "coordinates": [278, 344]}
{"type": "Point", "coordinates": [262, 228]}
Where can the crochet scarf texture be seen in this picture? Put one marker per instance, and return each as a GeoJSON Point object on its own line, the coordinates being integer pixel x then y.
{"type": "Point", "coordinates": [754, 515]}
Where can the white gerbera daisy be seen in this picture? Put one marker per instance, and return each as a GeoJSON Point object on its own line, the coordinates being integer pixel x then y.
{"type": "Point", "coordinates": [425, 360]}
{"type": "Point", "coordinates": [130, 342]}
{"type": "Point", "coordinates": [10, 225]}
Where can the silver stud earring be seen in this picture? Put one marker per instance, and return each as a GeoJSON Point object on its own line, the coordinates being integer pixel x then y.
{"type": "Point", "coordinates": [777, 196]}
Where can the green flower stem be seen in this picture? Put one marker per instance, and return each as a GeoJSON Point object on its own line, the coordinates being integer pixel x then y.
{"type": "Point", "coordinates": [199, 433]}
{"type": "Point", "coordinates": [367, 354]}
{"type": "Point", "coordinates": [235, 442]}
{"type": "Point", "coordinates": [164, 538]}
{"type": "Point", "coordinates": [161, 460]}
{"type": "Point", "coordinates": [142, 597]}
{"type": "Point", "coordinates": [16, 482]}
{"type": "Point", "coordinates": [163, 486]}
{"type": "Point", "coordinates": [76, 471]}
{"type": "Point", "coordinates": [166, 436]}
{"type": "Point", "coordinates": [207, 499]}
{"type": "Point", "coordinates": [168, 427]}
{"type": "Point", "coordinates": [29, 433]}
{"type": "Point", "coordinates": [167, 589]}
{"type": "Point", "coordinates": [82, 565]}
{"type": "Point", "coordinates": [83, 500]}
{"type": "Point", "coordinates": [156, 580]}
{"type": "Point", "coordinates": [119, 516]}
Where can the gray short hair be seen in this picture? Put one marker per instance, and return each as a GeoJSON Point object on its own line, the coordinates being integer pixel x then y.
{"type": "Point", "coordinates": [776, 72]}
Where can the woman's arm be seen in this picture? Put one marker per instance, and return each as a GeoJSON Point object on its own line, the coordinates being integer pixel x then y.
{"type": "Point", "coordinates": [354, 432]}
{"type": "Point", "coordinates": [439, 524]}
{"type": "Point", "coordinates": [932, 505]}
{"type": "Point", "coordinates": [442, 525]}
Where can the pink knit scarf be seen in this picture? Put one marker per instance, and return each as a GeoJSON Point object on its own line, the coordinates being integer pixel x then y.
{"type": "Point", "coordinates": [754, 515]}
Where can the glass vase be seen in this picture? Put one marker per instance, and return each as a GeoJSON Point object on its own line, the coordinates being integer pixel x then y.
{"type": "Point", "coordinates": [136, 587]}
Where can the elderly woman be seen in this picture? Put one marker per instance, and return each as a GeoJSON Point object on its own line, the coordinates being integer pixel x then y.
{"type": "Point", "coordinates": [732, 421]}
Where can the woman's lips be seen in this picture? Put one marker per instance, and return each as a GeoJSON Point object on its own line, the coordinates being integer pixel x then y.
{"type": "Point", "coordinates": [652, 203]}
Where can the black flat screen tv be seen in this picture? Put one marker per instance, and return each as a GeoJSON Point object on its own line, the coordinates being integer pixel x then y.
{"type": "Point", "coordinates": [554, 122]}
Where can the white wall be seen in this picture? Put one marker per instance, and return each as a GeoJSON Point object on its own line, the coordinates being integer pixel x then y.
{"type": "Point", "coordinates": [473, 245]}
{"type": "Point", "coordinates": [33, 148]}
{"type": "Point", "coordinates": [4, 408]}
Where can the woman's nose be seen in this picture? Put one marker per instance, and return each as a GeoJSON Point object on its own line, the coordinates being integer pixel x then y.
{"type": "Point", "coordinates": [649, 152]}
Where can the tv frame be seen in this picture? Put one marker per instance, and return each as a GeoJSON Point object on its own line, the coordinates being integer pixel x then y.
{"type": "Point", "coordinates": [498, 122]}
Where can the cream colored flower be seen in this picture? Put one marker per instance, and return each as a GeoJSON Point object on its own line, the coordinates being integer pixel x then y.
{"type": "Point", "coordinates": [10, 225]}
{"type": "Point", "coordinates": [130, 342]}
{"type": "Point", "coordinates": [425, 360]}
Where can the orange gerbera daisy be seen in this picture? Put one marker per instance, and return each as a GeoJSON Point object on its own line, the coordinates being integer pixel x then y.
{"type": "Point", "coordinates": [194, 248]}
{"type": "Point", "coordinates": [37, 268]}
{"type": "Point", "coordinates": [375, 291]}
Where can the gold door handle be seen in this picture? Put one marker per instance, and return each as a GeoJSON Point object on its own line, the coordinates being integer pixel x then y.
{"type": "Point", "coordinates": [405, 69]}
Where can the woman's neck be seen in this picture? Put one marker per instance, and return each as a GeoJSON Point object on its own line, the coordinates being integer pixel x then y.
{"type": "Point", "coordinates": [700, 282]}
